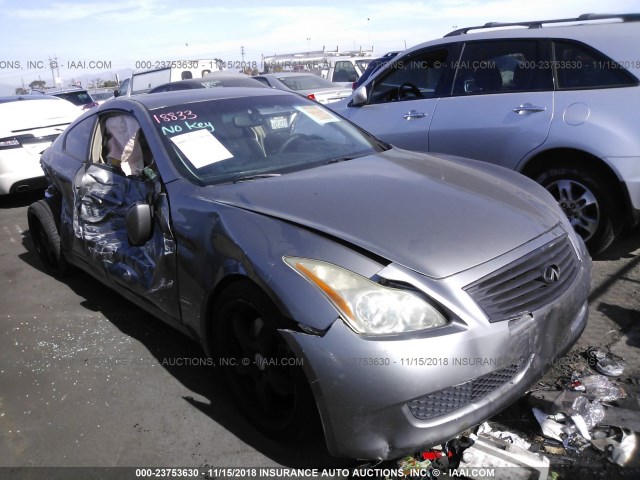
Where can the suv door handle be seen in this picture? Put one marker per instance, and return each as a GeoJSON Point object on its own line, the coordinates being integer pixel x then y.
{"type": "Point", "coordinates": [527, 107]}
{"type": "Point", "coordinates": [413, 114]}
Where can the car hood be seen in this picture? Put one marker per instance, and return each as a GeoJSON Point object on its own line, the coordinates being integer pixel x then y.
{"type": "Point", "coordinates": [433, 215]}
{"type": "Point", "coordinates": [337, 91]}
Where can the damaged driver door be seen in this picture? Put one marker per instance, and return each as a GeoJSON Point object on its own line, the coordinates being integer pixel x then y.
{"type": "Point", "coordinates": [104, 196]}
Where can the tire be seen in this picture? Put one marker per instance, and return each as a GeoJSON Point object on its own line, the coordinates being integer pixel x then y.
{"type": "Point", "coordinates": [588, 204]}
{"type": "Point", "coordinates": [46, 238]}
{"type": "Point", "coordinates": [276, 399]}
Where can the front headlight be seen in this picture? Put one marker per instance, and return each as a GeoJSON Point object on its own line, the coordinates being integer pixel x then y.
{"type": "Point", "coordinates": [368, 307]}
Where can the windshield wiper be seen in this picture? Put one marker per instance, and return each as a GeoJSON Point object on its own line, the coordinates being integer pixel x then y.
{"type": "Point", "coordinates": [248, 178]}
{"type": "Point", "coordinates": [341, 159]}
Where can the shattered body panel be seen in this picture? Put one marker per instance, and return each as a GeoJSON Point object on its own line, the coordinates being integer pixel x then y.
{"type": "Point", "coordinates": [101, 201]}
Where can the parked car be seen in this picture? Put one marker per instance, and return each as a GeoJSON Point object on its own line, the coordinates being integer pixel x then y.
{"type": "Point", "coordinates": [559, 103]}
{"type": "Point", "coordinates": [142, 81]}
{"type": "Point", "coordinates": [312, 86]}
{"type": "Point", "coordinates": [101, 96]}
{"type": "Point", "coordinates": [407, 296]}
{"type": "Point", "coordinates": [28, 125]}
{"type": "Point", "coordinates": [373, 66]}
{"type": "Point", "coordinates": [211, 80]}
{"type": "Point", "coordinates": [76, 95]}
{"type": "Point", "coordinates": [345, 70]}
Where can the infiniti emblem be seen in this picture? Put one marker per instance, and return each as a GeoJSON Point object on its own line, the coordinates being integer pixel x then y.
{"type": "Point", "coordinates": [551, 274]}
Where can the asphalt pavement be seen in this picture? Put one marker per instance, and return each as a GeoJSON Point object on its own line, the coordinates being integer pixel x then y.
{"type": "Point", "coordinates": [89, 379]}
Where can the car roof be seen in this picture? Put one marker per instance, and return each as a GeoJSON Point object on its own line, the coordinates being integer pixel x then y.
{"type": "Point", "coordinates": [288, 74]}
{"type": "Point", "coordinates": [63, 90]}
{"type": "Point", "coordinates": [177, 97]}
{"type": "Point", "coordinates": [19, 98]}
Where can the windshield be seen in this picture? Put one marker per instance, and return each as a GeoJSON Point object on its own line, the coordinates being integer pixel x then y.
{"type": "Point", "coordinates": [77, 98]}
{"type": "Point", "coordinates": [101, 96]}
{"type": "Point", "coordinates": [226, 140]}
{"type": "Point", "coordinates": [306, 82]}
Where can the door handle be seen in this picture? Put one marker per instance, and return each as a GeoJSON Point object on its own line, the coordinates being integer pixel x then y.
{"type": "Point", "coordinates": [528, 108]}
{"type": "Point", "coordinates": [413, 114]}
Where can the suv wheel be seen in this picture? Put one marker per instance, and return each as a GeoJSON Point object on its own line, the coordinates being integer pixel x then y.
{"type": "Point", "coordinates": [593, 214]}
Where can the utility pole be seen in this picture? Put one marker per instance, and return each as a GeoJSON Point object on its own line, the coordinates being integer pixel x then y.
{"type": "Point", "coordinates": [52, 65]}
{"type": "Point", "coordinates": [242, 53]}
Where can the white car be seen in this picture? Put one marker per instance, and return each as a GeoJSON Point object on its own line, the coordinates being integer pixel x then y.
{"type": "Point", "coordinates": [28, 125]}
{"type": "Point", "coordinates": [312, 86]}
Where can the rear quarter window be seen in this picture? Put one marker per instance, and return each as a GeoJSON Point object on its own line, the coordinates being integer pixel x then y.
{"type": "Point", "coordinates": [579, 66]}
{"type": "Point", "coordinates": [77, 139]}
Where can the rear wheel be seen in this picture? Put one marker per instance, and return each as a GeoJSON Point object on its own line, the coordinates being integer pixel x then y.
{"type": "Point", "coordinates": [264, 375]}
{"type": "Point", "coordinates": [46, 238]}
{"type": "Point", "coordinates": [592, 211]}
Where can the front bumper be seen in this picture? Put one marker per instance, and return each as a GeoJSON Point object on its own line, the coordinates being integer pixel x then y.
{"type": "Point", "coordinates": [381, 398]}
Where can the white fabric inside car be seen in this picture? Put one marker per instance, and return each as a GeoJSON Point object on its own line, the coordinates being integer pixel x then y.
{"type": "Point", "coordinates": [123, 145]}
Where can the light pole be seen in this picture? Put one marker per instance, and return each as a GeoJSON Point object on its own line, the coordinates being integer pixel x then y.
{"type": "Point", "coordinates": [308, 45]}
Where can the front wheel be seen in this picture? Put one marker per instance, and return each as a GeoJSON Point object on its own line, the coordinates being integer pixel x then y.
{"type": "Point", "coordinates": [593, 213]}
{"type": "Point", "coordinates": [264, 375]}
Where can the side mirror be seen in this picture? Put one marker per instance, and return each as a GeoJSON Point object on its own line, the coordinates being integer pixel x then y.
{"type": "Point", "coordinates": [116, 92]}
{"type": "Point", "coordinates": [360, 96]}
{"type": "Point", "coordinates": [139, 222]}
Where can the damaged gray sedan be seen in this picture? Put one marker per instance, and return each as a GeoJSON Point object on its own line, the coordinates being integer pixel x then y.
{"type": "Point", "coordinates": [404, 297]}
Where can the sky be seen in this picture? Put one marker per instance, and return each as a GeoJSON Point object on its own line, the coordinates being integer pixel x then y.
{"type": "Point", "coordinates": [116, 35]}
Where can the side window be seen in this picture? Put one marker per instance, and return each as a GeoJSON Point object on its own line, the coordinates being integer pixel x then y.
{"type": "Point", "coordinates": [578, 66]}
{"type": "Point", "coordinates": [78, 138]}
{"type": "Point", "coordinates": [120, 144]}
{"type": "Point", "coordinates": [263, 80]}
{"type": "Point", "coordinates": [504, 66]}
{"type": "Point", "coordinates": [186, 75]}
{"type": "Point", "coordinates": [124, 87]}
{"type": "Point", "coordinates": [419, 76]}
{"type": "Point", "coordinates": [345, 72]}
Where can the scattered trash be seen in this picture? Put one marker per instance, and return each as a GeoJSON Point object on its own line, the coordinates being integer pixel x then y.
{"type": "Point", "coordinates": [554, 449]}
{"type": "Point", "coordinates": [591, 412]}
{"type": "Point", "coordinates": [488, 452]}
{"type": "Point", "coordinates": [619, 452]}
{"type": "Point", "coordinates": [412, 467]}
{"type": "Point", "coordinates": [577, 386]}
{"type": "Point", "coordinates": [606, 362]}
{"type": "Point", "coordinates": [550, 428]}
{"type": "Point", "coordinates": [509, 437]}
{"type": "Point", "coordinates": [602, 388]}
{"type": "Point", "coordinates": [576, 442]}
{"type": "Point", "coordinates": [622, 453]}
{"type": "Point", "coordinates": [586, 415]}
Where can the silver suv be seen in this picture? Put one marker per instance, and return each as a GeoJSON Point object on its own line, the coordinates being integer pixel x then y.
{"type": "Point", "coordinates": [557, 100]}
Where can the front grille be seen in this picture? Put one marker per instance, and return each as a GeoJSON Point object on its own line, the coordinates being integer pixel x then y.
{"type": "Point", "coordinates": [453, 398]}
{"type": "Point", "coordinates": [520, 287]}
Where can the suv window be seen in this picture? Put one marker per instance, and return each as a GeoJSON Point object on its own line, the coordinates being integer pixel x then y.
{"type": "Point", "coordinates": [505, 66]}
{"type": "Point", "coordinates": [579, 66]}
{"type": "Point", "coordinates": [419, 76]}
{"type": "Point", "coordinates": [345, 72]}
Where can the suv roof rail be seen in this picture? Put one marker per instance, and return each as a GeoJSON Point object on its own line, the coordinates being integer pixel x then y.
{"type": "Point", "coordinates": [625, 17]}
